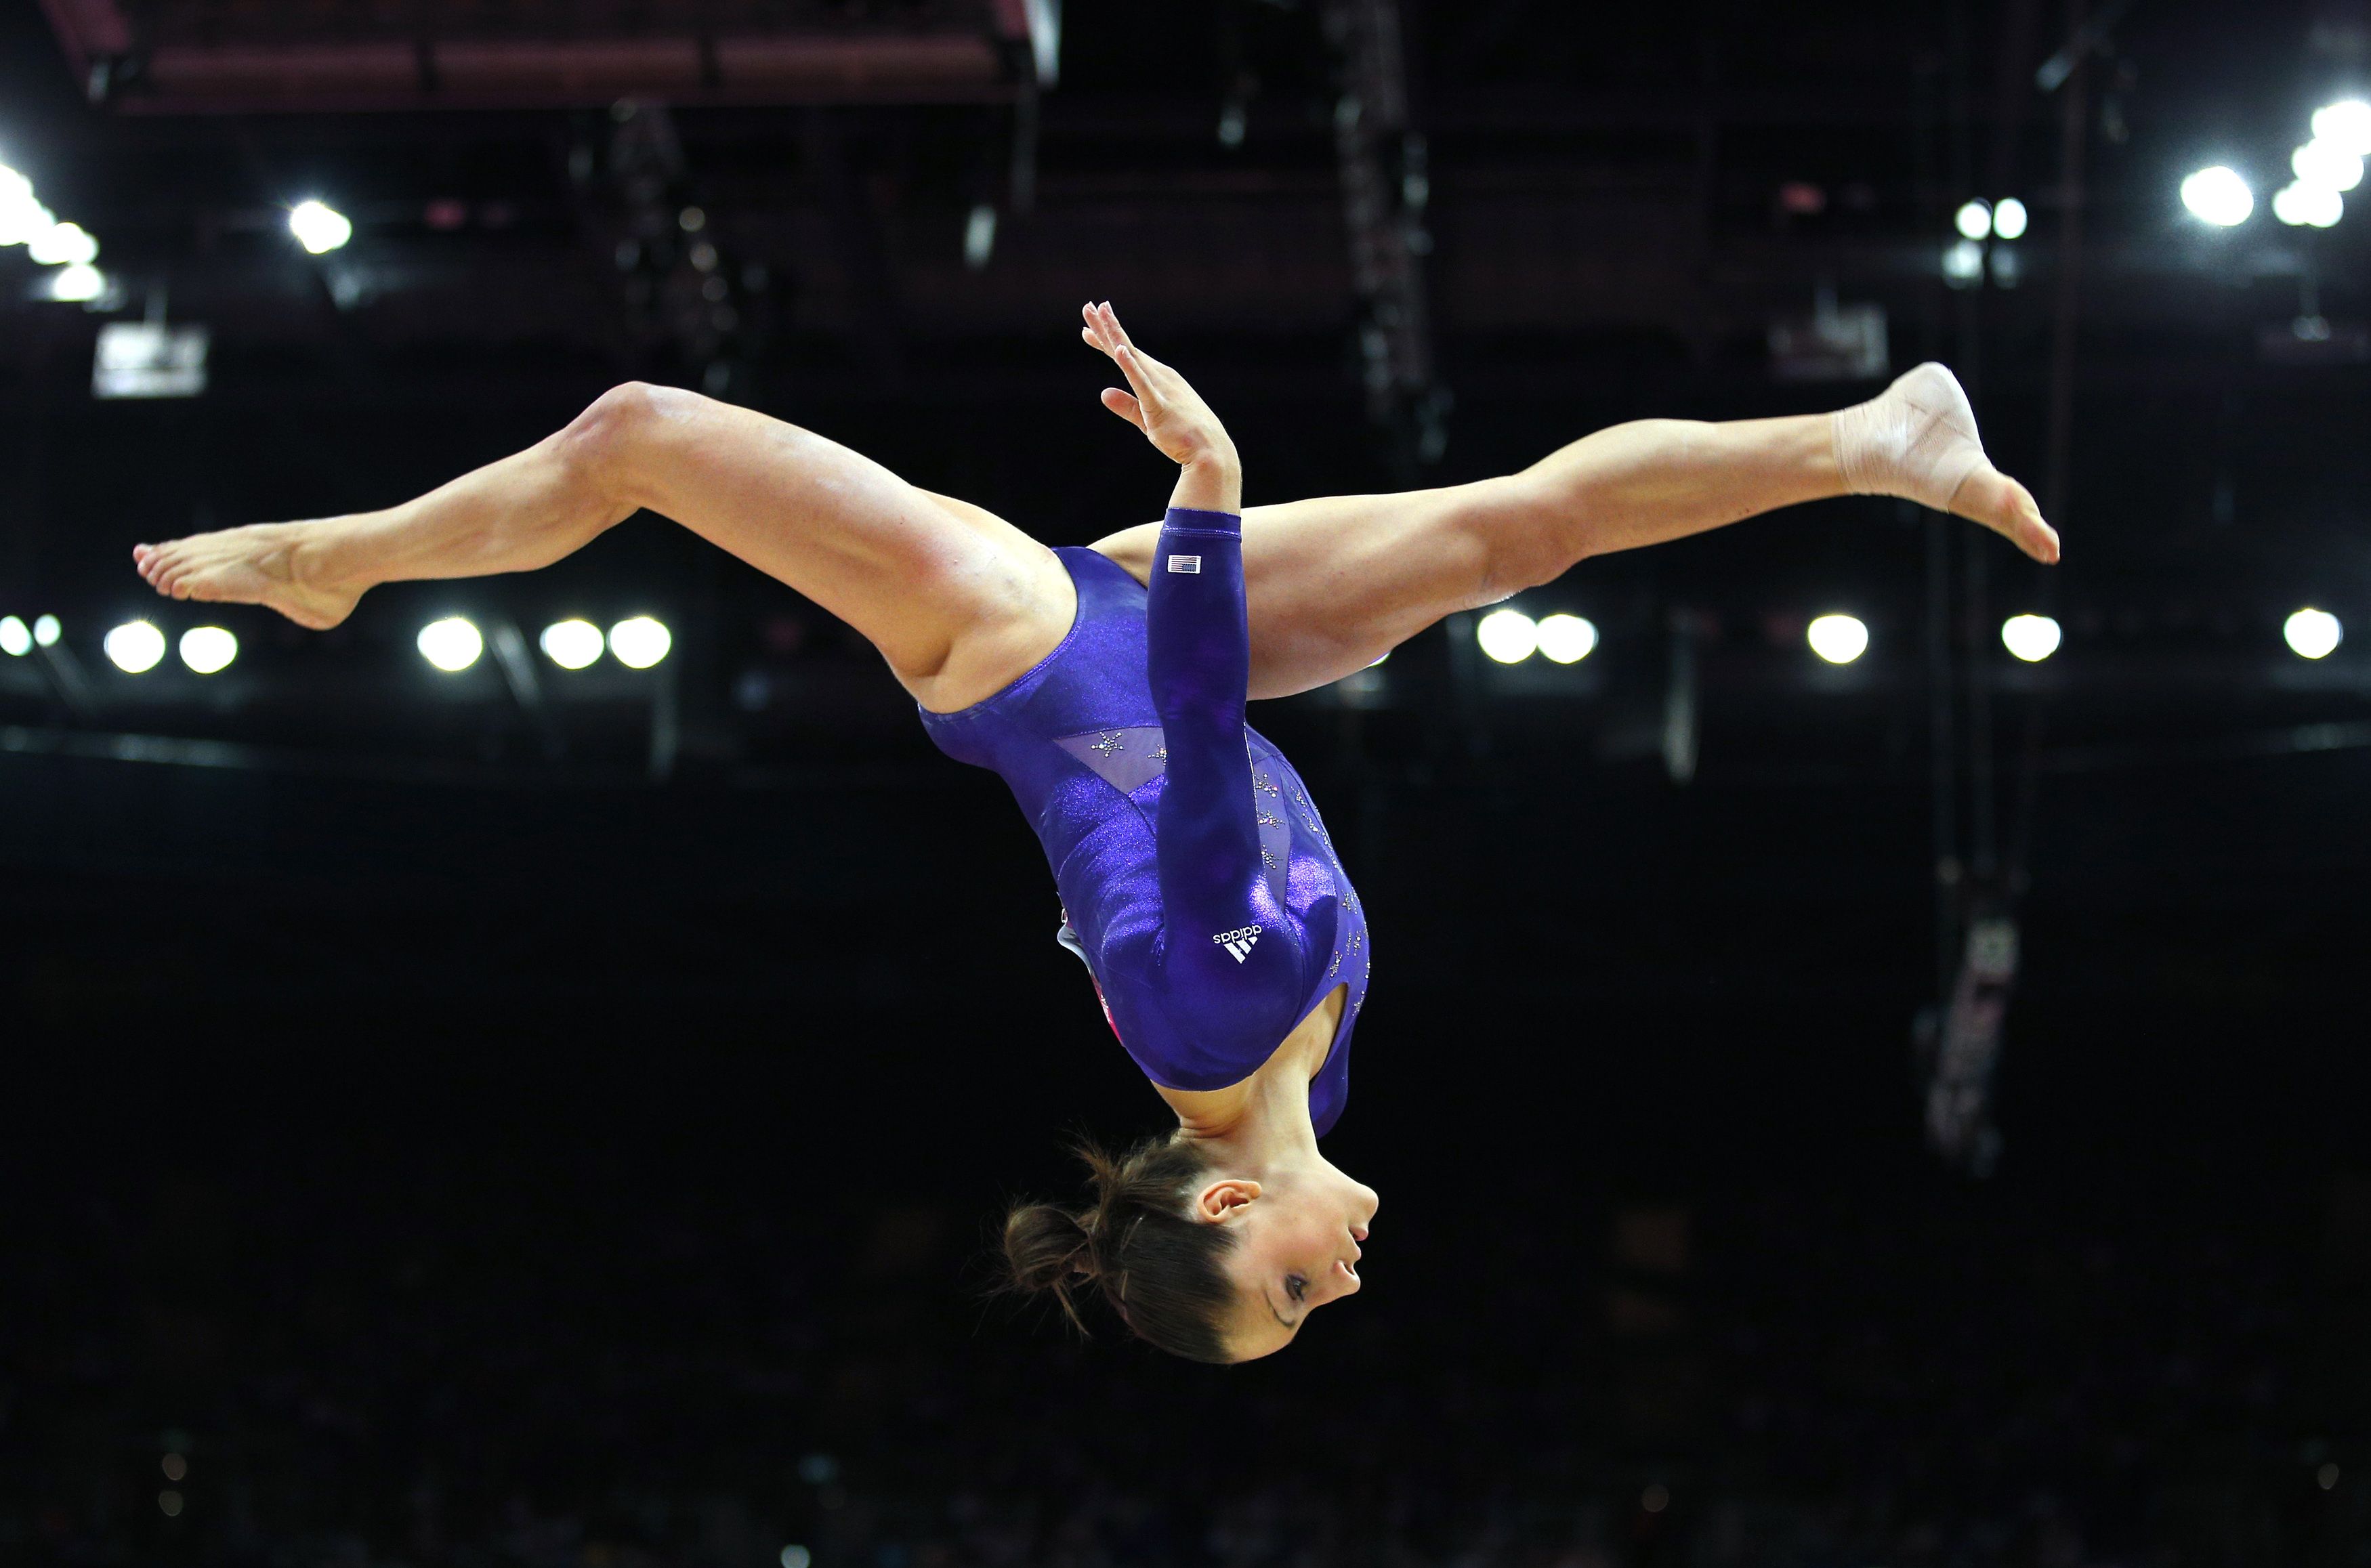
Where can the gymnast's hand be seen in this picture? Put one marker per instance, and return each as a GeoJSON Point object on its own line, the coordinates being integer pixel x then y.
{"type": "Point", "coordinates": [1173, 417]}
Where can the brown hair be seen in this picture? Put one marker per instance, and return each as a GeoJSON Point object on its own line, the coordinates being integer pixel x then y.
{"type": "Point", "coordinates": [1137, 1244]}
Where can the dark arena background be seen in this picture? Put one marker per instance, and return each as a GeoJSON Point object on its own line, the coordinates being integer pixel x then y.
{"type": "Point", "coordinates": [1903, 1110]}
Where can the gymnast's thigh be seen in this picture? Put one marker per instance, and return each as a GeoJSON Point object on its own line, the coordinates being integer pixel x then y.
{"type": "Point", "coordinates": [1335, 583]}
{"type": "Point", "coordinates": [958, 600]}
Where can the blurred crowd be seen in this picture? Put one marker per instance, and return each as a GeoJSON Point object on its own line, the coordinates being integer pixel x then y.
{"type": "Point", "coordinates": [243, 1374]}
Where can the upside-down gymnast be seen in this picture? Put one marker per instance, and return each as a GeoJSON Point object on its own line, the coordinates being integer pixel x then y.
{"type": "Point", "coordinates": [1107, 687]}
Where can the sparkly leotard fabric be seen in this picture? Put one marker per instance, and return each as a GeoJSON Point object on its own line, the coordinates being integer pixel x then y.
{"type": "Point", "coordinates": [1197, 878]}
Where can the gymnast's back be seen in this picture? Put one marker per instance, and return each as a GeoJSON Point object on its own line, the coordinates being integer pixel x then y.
{"type": "Point", "coordinates": [1197, 881]}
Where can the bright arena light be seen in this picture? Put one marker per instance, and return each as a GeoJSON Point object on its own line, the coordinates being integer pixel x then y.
{"type": "Point", "coordinates": [2346, 125]}
{"type": "Point", "coordinates": [451, 644]}
{"type": "Point", "coordinates": [2010, 218]}
{"type": "Point", "coordinates": [134, 647]}
{"type": "Point", "coordinates": [318, 227]}
{"type": "Point", "coordinates": [21, 218]}
{"type": "Point", "coordinates": [2030, 637]}
{"type": "Point", "coordinates": [1567, 639]}
{"type": "Point", "coordinates": [15, 636]}
{"type": "Point", "coordinates": [46, 631]}
{"type": "Point", "coordinates": [208, 650]}
{"type": "Point", "coordinates": [77, 282]}
{"type": "Point", "coordinates": [2312, 634]}
{"type": "Point", "coordinates": [1838, 639]}
{"type": "Point", "coordinates": [797, 1557]}
{"type": "Point", "coordinates": [2218, 196]}
{"type": "Point", "coordinates": [2327, 166]}
{"type": "Point", "coordinates": [571, 644]}
{"type": "Point", "coordinates": [639, 641]}
{"type": "Point", "coordinates": [1508, 636]}
{"type": "Point", "coordinates": [62, 245]}
{"type": "Point", "coordinates": [2301, 204]}
{"type": "Point", "coordinates": [1974, 219]}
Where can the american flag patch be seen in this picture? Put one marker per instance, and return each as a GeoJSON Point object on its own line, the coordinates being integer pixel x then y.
{"type": "Point", "coordinates": [1190, 566]}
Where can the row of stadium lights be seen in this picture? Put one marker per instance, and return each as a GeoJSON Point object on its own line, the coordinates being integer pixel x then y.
{"type": "Point", "coordinates": [2324, 168]}
{"type": "Point", "coordinates": [73, 250]}
{"type": "Point", "coordinates": [452, 644]}
{"type": "Point", "coordinates": [1510, 637]}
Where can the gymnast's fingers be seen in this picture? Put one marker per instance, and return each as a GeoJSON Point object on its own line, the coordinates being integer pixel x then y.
{"type": "Point", "coordinates": [1125, 407]}
{"type": "Point", "coordinates": [1148, 395]}
{"type": "Point", "coordinates": [1116, 334]}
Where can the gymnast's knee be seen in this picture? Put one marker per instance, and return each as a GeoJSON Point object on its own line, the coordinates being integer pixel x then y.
{"type": "Point", "coordinates": [612, 445]}
{"type": "Point", "coordinates": [600, 440]}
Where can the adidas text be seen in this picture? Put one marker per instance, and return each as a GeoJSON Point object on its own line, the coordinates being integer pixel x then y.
{"type": "Point", "coordinates": [1238, 943]}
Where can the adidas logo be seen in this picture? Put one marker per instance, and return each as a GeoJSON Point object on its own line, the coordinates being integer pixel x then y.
{"type": "Point", "coordinates": [1238, 943]}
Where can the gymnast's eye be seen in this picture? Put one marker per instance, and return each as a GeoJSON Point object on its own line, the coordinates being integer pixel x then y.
{"type": "Point", "coordinates": [1296, 1287]}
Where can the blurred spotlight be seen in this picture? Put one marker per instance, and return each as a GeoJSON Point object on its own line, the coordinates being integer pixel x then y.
{"type": "Point", "coordinates": [2327, 166]}
{"type": "Point", "coordinates": [318, 227]}
{"type": "Point", "coordinates": [1839, 640]}
{"type": "Point", "coordinates": [21, 218]}
{"type": "Point", "coordinates": [1963, 264]}
{"type": "Point", "coordinates": [2302, 204]}
{"type": "Point", "coordinates": [2312, 634]}
{"type": "Point", "coordinates": [639, 641]}
{"type": "Point", "coordinates": [2008, 218]}
{"type": "Point", "coordinates": [2346, 125]}
{"type": "Point", "coordinates": [175, 1467]}
{"type": "Point", "coordinates": [1507, 636]}
{"type": "Point", "coordinates": [15, 636]}
{"type": "Point", "coordinates": [62, 245]}
{"type": "Point", "coordinates": [571, 644]}
{"type": "Point", "coordinates": [208, 650]}
{"type": "Point", "coordinates": [1567, 639]}
{"type": "Point", "coordinates": [2030, 637]}
{"type": "Point", "coordinates": [451, 644]}
{"type": "Point", "coordinates": [75, 283]}
{"type": "Point", "coordinates": [1974, 219]}
{"type": "Point", "coordinates": [980, 236]}
{"type": "Point", "coordinates": [171, 1501]}
{"type": "Point", "coordinates": [46, 631]}
{"type": "Point", "coordinates": [2327, 1476]}
{"type": "Point", "coordinates": [1655, 1498]}
{"type": "Point", "coordinates": [2218, 196]}
{"type": "Point", "coordinates": [797, 1557]}
{"type": "Point", "coordinates": [134, 647]}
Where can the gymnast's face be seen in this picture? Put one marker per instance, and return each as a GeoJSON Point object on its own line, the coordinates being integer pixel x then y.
{"type": "Point", "coordinates": [1298, 1239]}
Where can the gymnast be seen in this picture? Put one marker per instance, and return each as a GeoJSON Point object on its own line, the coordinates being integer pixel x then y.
{"type": "Point", "coordinates": [1107, 687]}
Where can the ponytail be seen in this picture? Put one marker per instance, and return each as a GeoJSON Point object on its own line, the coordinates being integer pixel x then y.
{"type": "Point", "coordinates": [1136, 1246]}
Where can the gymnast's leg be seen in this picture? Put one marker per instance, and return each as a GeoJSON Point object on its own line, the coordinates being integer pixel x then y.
{"type": "Point", "coordinates": [1335, 583]}
{"type": "Point", "coordinates": [958, 600]}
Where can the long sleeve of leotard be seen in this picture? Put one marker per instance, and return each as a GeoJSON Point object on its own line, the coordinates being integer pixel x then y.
{"type": "Point", "coordinates": [1198, 656]}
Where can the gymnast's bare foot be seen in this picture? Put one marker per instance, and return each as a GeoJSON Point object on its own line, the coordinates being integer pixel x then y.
{"type": "Point", "coordinates": [1917, 439]}
{"type": "Point", "coordinates": [255, 565]}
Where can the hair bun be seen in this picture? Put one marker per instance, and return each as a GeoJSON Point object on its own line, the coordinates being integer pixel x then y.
{"type": "Point", "coordinates": [1136, 1245]}
{"type": "Point", "coordinates": [1049, 1247]}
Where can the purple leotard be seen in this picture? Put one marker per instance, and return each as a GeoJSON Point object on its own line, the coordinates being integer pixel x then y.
{"type": "Point", "coordinates": [1197, 881]}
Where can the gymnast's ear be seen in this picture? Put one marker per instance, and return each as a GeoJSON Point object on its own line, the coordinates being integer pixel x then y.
{"type": "Point", "coordinates": [1224, 1199]}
